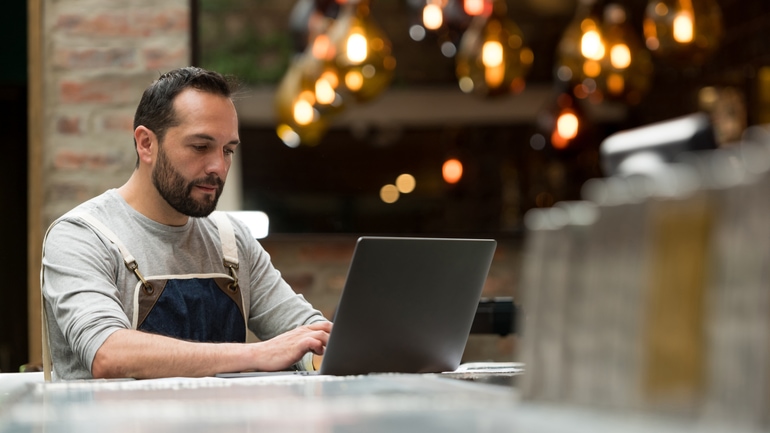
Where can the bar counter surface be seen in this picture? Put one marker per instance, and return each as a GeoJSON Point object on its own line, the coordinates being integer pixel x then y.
{"type": "Point", "coordinates": [372, 403]}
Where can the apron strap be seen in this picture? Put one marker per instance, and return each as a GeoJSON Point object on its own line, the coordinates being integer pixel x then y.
{"type": "Point", "coordinates": [227, 237]}
{"type": "Point", "coordinates": [128, 259]}
{"type": "Point", "coordinates": [47, 360]}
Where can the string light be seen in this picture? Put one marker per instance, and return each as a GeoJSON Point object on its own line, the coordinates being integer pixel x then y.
{"type": "Point", "coordinates": [406, 183]}
{"type": "Point", "coordinates": [389, 193]}
{"type": "Point", "coordinates": [432, 16]}
{"type": "Point", "coordinates": [452, 171]}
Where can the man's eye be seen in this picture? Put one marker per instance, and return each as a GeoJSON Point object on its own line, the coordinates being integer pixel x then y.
{"type": "Point", "coordinates": [229, 151]}
{"type": "Point", "coordinates": [200, 148]}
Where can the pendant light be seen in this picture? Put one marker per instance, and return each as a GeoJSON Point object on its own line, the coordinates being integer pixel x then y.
{"type": "Point", "coordinates": [308, 95]}
{"type": "Point", "coordinates": [684, 32]}
{"type": "Point", "coordinates": [362, 50]}
{"type": "Point", "coordinates": [493, 58]}
{"type": "Point", "coordinates": [581, 48]}
{"type": "Point", "coordinates": [627, 65]}
{"type": "Point", "coordinates": [601, 55]}
{"type": "Point", "coordinates": [300, 121]}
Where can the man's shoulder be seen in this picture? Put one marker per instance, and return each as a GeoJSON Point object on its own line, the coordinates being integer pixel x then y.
{"type": "Point", "coordinates": [103, 204]}
{"type": "Point", "coordinates": [102, 207]}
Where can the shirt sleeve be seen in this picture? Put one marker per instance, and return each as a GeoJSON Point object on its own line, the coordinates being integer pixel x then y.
{"type": "Point", "coordinates": [274, 307]}
{"type": "Point", "coordinates": [79, 274]}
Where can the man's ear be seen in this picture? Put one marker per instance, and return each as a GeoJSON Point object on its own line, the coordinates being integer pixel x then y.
{"type": "Point", "coordinates": [146, 141]}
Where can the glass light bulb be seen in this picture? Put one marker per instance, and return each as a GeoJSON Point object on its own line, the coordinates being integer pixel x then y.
{"type": "Point", "coordinates": [432, 16]}
{"type": "Point", "coordinates": [492, 58]}
{"type": "Point", "coordinates": [452, 170]}
{"type": "Point", "coordinates": [620, 56]}
{"type": "Point", "coordinates": [683, 28]}
{"type": "Point", "coordinates": [324, 92]}
{"type": "Point", "coordinates": [591, 45]}
{"type": "Point", "coordinates": [364, 55]}
{"type": "Point", "coordinates": [567, 125]}
{"type": "Point", "coordinates": [356, 48]}
{"type": "Point", "coordinates": [492, 54]}
{"type": "Point", "coordinates": [601, 47]}
{"type": "Point", "coordinates": [683, 32]}
{"type": "Point", "coordinates": [473, 7]}
{"type": "Point", "coordinates": [303, 112]}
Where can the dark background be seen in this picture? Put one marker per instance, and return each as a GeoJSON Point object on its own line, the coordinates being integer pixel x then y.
{"type": "Point", "coordinates": [13, 218]}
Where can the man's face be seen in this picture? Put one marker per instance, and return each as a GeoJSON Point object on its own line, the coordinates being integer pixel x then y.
{"type": "Point", "coordinates": [194, 158]}
{"type": "Point", "coordinates": [178, 192]}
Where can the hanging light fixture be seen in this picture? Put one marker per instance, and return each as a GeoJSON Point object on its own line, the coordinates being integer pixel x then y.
{"type": "Point", "coordinates": [308, 95]}
{"type": "Point", "coordinates": [299, 107]}
{"type": "Point", "coordinates": [567, 122]}
{"type": "Point", "coordinates": [563, 122]}
{"type": "Point", "coordinates": [362, 51]}
{"type": "Point", "coordinates": [627, 66]}
{"type": "Point", "coordinates": [477, 7]}
{"type": "Point", "coordinates": [601, 55]}
{"type": "Point", "coordinates": [683, 31]}
{"type": "Point", "coordinates": [444, 18]}
{"type": "Point", "coordinates": [581, 50]}
{"type": "Point", "coordinates": [492, 58]}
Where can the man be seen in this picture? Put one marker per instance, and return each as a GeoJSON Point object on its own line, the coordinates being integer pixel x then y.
{"type": "Point", "coordinates": [145, 281]}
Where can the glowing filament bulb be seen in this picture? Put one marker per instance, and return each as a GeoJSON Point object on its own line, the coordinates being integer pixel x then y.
{"type": "Point", "coordinates": [331, 77]}
{"type": "Point", "coordinates": [683, 28]}
{"type": "Point", "coordinates": [303, 112]}
{"type": "Point", "coordinates": [324, 92]}
{"type": "Point", "coordinates": [620, 56]}
{"type": "Point", "coordinates": [354, 80]}
{"type": "Point", "coordinates": [473, 7]}
{"type": "Point", "coordinates": [567, 125]}
{"type": "Point", "coordinates": [432, 17]}
{"type": "Point", "coordinates": [492, 54]}
{"type": "Point", "coordinates": [616, 84]}
{"type": "Point", "coordinates": [322, 48]}
{"type": "Point", "coordinates": [405, 183]}
{"type": "Point", "coordinates": [452, 171]}
{"type": "Point", "coordinates": [591, 45]}
{"type": "Point", "coordinates": [356, 48]}
{"type": "Point", "coordinates": [389, 193]}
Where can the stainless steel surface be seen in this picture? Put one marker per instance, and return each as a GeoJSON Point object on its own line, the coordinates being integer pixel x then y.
{"type": "Point", "coordinates": [285, 403]}
{"type": "Point", "coordinates": [373, 403]}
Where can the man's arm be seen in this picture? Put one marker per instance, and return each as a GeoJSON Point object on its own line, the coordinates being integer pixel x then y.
{"type": "Point", "coordinates": [130, 353]}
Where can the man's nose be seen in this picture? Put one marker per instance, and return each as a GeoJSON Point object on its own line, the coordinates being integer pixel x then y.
{"type": "Point", "coordinates": [217, 164]}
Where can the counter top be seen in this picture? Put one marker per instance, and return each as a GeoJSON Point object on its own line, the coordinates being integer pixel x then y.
{"type": "Point", "coordinates": [372, 403]}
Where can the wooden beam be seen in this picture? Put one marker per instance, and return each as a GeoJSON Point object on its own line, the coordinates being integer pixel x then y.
{"type": "Point", "coordinates": [431, 106]}
{"type": "Point", "coordinates": [35, 175]}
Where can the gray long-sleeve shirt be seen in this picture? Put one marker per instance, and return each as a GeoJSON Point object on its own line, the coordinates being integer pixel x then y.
{"type": "Point", "coordinates": [88, 291]}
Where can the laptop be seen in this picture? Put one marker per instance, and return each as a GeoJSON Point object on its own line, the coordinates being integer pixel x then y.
{"type": "Point", "coordinates": [407, 305]}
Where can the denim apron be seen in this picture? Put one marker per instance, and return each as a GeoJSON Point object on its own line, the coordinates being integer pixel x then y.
{"type": "Point", "coordinates": [192, 307]}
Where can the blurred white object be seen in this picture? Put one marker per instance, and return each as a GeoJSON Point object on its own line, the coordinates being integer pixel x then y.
{"type": "Point", "coordinates": [256, 221]}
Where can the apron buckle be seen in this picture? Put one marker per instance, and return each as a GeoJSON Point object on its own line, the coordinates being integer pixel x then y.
{"type": "Point", "coordinates": [234, 285]}
{"type": "Point", "coordinates": [146, 286]}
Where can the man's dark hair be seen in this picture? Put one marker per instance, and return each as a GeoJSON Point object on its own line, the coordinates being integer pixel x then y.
{"type": "Point", "coordinates": [156, 108]}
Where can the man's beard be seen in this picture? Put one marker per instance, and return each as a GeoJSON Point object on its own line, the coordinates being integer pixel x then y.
{"type": "Point", "coordinates": [177, 191]}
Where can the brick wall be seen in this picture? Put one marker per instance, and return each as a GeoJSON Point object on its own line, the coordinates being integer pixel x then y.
{"type": "Point", "coordinates": [98, 58]}
{"type": "Point", "coordinates": [95, 58]}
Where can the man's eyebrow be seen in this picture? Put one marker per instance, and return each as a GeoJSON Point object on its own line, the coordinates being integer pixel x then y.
{"type": "Point", "coordinates": [210, 138]}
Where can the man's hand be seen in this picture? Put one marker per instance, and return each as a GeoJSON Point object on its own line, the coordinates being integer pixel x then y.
{"type": "Point", "coordinates": [130, 353]}
{"type": "Point", "coordinates": [280, 352]}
